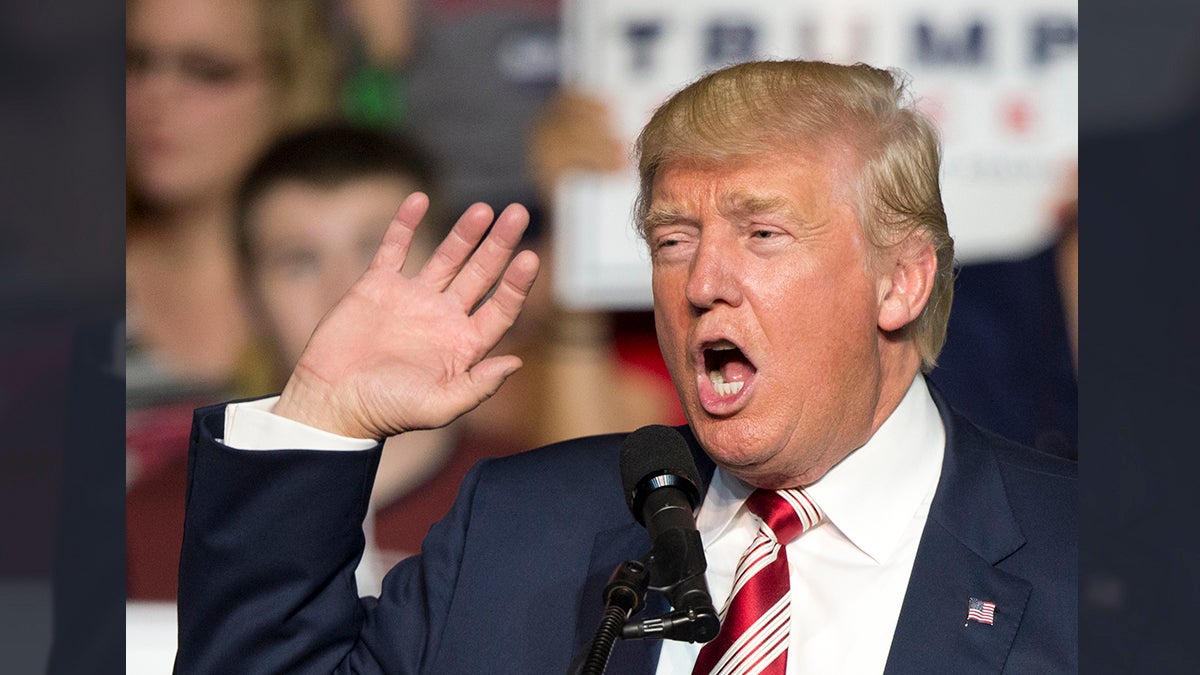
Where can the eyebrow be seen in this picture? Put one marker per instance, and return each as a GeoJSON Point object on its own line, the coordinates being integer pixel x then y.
{"type": "Point", "coordinates": [732, 206]}
{"type": "Point", "coordinates": [740, 204]}
{"type": "Point", "coordinates": [658, 216]}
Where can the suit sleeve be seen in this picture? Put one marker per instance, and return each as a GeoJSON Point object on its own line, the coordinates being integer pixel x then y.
{"type": "Point", "coordinates": [266, 576]}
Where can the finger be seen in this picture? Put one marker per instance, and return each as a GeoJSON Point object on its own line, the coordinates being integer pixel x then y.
{"type": "Point", "coordinates": [454, 250]}
{"type": "Point", "coordinates": [497, 315]}
{"type": "Point", "coordinates": [490, 260]}
{"type": "Point", "coordinates": [393, 250]}
{"type": "Point", "coordinates": [485, 378]}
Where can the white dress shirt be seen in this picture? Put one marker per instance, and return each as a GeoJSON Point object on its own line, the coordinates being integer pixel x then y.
{"type": "Point", "coordinates": [848, 574]}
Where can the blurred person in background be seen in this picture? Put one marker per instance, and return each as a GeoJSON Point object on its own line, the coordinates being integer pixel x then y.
{"type": "Point", "coordinates": [308, 217]}
{"type": "Point", "coordinates": [208, 85]}
{"type": "Point", "coordinates": [307, 220]}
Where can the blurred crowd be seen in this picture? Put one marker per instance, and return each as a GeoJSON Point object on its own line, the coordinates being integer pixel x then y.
{"type": "Point", "coordinates": [268, 144]}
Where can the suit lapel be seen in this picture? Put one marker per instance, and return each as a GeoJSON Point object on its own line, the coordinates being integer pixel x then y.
{"type": "Point", "coordinates": [970, 529]}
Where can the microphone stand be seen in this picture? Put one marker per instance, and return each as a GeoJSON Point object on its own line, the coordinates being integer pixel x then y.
{"type": "Point", "coordinates": [624, 595]}
{"type": "Point", "coordinates": [693, 619]}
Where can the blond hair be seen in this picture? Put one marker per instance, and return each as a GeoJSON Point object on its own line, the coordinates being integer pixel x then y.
{"type": "Point", "coordinates": [305, 61]}
{"type": "Point", "coordinates": [774, 107]}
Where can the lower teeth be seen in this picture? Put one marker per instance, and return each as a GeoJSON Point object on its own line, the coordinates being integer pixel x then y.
{"type": "Point", "coordinates": [728, 388]}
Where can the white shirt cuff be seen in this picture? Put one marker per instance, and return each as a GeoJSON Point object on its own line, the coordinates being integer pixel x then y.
{"type": "Point", "coordinates": [250, 425]}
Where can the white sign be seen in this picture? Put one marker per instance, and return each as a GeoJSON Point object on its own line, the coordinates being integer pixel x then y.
{"type": "Point", "coordinates": [999, 78]}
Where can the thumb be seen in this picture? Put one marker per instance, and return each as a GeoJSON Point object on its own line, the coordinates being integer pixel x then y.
{"type": "Point", "coordinates": [487, 375]}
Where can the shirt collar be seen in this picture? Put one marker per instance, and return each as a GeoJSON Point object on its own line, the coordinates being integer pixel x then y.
{"type": "Point", "coordinates": [872, 493]}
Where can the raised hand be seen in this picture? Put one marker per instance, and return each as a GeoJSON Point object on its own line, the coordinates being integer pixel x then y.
{"type": "Point", "coordinates": [397, 354]}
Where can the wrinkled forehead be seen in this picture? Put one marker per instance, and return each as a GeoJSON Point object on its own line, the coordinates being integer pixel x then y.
{"type": "Point", "coordinates": [756, 181]}
{"type": "Point", "coordinates": [801, 187]}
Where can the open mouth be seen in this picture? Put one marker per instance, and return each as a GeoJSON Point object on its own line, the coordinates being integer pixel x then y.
{"type": "Point", "coordinates": [728, 368]}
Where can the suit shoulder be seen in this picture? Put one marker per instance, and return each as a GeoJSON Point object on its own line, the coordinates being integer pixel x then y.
{"type": "Point", "coordinates": [593, 457]}
{"type": "Point", "coordinates": [599, 452]}
{"type": "Point", "coordinates": [537, 491]}
{"type": "Point", "coordinates": [566, 472]}
{"type": "Point", "coordinates": [1020, 458]}
{"type": "Point", "coordinates": [1042, 489]}
{"type": "Point", "coordinates": [1014, 457]}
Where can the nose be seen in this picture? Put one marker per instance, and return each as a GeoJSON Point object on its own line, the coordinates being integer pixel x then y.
{"type": "Point", "coordinates": [712, 278]}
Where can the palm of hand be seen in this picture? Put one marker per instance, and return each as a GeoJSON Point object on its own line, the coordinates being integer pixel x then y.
{"type": "Point", "coordinates": [397, 354]}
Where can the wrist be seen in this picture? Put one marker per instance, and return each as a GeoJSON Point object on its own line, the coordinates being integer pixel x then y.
{"type": "Point", "coordinates": [301, 402]}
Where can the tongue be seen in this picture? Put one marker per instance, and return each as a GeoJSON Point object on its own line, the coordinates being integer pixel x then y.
{"type": "Point", "coordinates": [736, 370]}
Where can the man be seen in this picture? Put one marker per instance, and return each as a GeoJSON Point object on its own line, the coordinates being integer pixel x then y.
{"type": "Point", "coordinates": [801, 284]}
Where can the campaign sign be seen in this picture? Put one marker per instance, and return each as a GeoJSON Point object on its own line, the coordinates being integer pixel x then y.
{"type": "Point", "coordinates": [998, 78]}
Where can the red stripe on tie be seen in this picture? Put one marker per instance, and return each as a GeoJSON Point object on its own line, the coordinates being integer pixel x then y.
{"type": "Point", "coordinates": [757, 615]}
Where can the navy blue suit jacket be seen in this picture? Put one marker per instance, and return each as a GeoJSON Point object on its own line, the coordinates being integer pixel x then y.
{"type": "Point", "coordinates": [510, 581]}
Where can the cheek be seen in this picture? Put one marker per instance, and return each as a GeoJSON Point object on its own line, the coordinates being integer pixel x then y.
{"type": "Point", "coordinates": [671, 315]}
{"type": "Point", "coordinates": [232, 129]}
{"type": "Point", "coordinates": [825, 321]}
{"type": "Point", "coordinates": [245, 102]}
{"type": "Point", "coordinates": [136, 110]}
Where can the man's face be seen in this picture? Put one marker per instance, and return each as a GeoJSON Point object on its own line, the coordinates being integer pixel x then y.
{"type": "Point", "coordinates": [767, 311]}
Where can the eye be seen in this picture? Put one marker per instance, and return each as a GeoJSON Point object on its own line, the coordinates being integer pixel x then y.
{"type": "Point", "coordinates": [137, 61]}
{"type": "Point", "coordinates": [661, 239]}
{"type": "Point", "coordinates": [766, 238]}
{"type": "Point", "coordinates": [212, 70]}
{"type": "Point", "coordinates": [765, 234]}
{"type": "Point", "coordinates": [295, 264]}
{"type": "Point", "coordinates": [663, 246]}
{"type": "Point", "coordinates": [670, 246]}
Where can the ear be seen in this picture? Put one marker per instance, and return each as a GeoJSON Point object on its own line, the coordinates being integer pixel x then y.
{"type": "Point", "coordinates": [906, 289]}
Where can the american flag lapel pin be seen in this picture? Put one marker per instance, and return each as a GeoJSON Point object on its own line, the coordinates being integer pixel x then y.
{"type": "Point", "coordinates": [981, 611]}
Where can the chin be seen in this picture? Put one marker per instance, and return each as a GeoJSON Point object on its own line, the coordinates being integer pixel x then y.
{"type": "Point", "coordinates": [731, 442]}
{"type": "Point", "coordinates": [743, 450]}
{"type": "Point", "coordinates": [757, 472]}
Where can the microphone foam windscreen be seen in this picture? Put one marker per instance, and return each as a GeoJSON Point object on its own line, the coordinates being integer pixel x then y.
{"type": "Point", "coordinates": [653, 451]}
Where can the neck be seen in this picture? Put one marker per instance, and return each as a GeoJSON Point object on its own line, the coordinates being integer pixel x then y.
{"type": "Point", "coordinates": [184, 226]}
{"type": "Point", "coordinates": [900, 364]}
{"type": "Point", "coordinates": [180, 274]}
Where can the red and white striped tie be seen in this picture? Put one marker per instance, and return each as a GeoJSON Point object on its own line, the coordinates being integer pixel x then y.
{"type": "Point", "coordinates": [754, 623]}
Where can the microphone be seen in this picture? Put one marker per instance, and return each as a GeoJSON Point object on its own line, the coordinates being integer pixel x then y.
{"type": "Point", "coordinates": [662, 489]}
